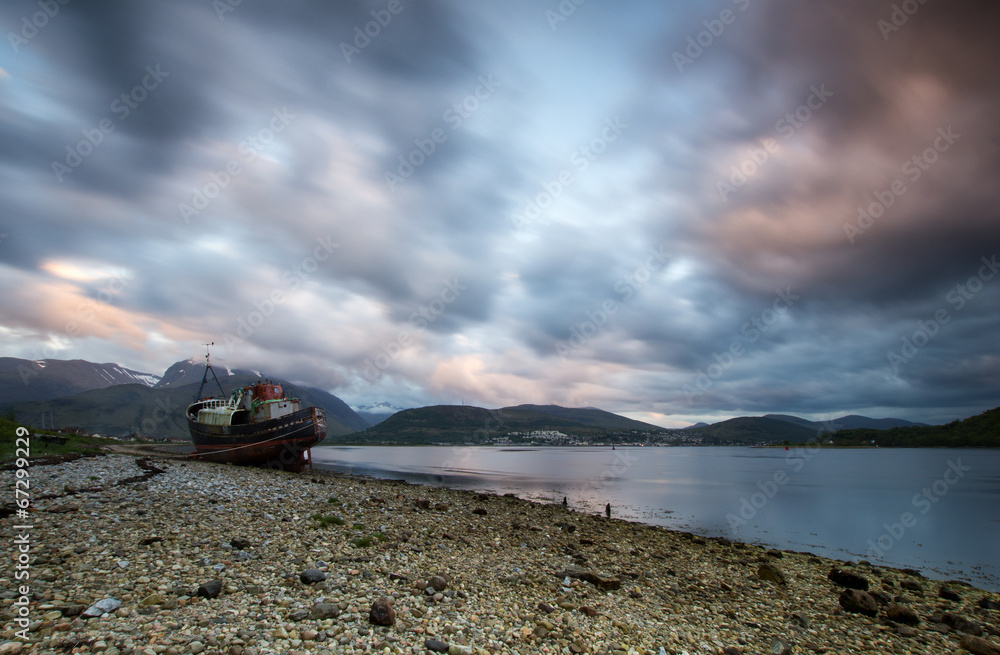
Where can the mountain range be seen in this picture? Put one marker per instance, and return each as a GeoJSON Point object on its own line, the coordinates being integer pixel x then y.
{"type": "Point", "coordinates": [114, 400]}
{"type": "Point", "coordinates": [138, 403]}
{"type": "Point", "coordinates": [375, 413]}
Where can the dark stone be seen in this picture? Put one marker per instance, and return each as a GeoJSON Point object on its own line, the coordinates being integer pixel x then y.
{"type": "Point", "coordinates": [731, 650]}
{"type": "Point", "coordinates": [545, 607]}
{"type": "Point", "coordinates": [800, 619]}
{"type": "Point", "coordinates": [771, 573]}
{"type": "Point", "coordinates": [436, 645]}
{"type": "Point", "coordinates": [777, 554]}
{"type": "Point", "coordinates": [902, 614]}
{"type": "Point", "coordinates": [382, 613]}
{"type": "Point", "coordinates": [240, 544]}
{"type": "Point", "coordinates": [948, 593]}
{"type": "Point", "coordinates": [589, 611]}
{"type": "Point", "coordinates": [72, 610]}
{"type": "Point", "coordinates": [912, 585]}
{"type": "Point", "coordinates": [210, 589]}
{"type": "Point", "coordinates": [848, 579]}
{"type": "Point", "coordinates": [881, 597]}
{"type": "Point", "coordinates": [149, 541]}
{"type": "Point", "coordinates": [978, 646]}
{"type": "Point", "coordinates": [912, 572]}
{"type": "Point", "coordinates": [780, 647]}
{"type": "Point", "coordinates": [481, 511]}
{"type": "Point", "coordinates": [906, 631]}
{"type": "Point", "coordinates": [312, 576]}
{"type": "Point", "coordinates": [439, 582]}
{"type": "Point", "coordinates": [322, 611]}
{"type": "Point", "coordinates": [422, 503]}
{"type": "Point", "coordinates": [299, 615]}
{"type": "Point", "coordinates": [858, 602]}
{"type": "Point", "coordinates": [961, 624]}
{"type": "Point", "coordinates": [988, 603]}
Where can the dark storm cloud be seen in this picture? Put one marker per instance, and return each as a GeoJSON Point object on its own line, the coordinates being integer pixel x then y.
{"type": "Point", "coordinates": [412, 147]}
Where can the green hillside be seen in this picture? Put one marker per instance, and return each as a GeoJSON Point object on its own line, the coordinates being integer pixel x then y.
{"type": "Point", "coordinates": [464, 424]}
{"type": "Point", "coordinates": [751, 430]}
{"type": "Point", "coordinates": [982, 431]}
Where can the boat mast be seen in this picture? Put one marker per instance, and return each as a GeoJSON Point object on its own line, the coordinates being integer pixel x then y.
{"type": "Point", "coordinates": [209, 369]}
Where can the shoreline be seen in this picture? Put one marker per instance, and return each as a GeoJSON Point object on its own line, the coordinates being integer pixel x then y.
{"type": "Point", "coordinates": [177, 524]}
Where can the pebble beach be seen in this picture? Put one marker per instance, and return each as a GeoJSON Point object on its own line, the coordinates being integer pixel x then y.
{"type": "Point", "coordinates": [154, 555]}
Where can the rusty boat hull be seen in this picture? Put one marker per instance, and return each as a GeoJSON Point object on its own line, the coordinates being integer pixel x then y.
{"type": "Point", "coordinates": [280, 443]}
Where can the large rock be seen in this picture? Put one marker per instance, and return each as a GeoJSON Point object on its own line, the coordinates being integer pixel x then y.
{"type": "Point", "coordinates": [978, 645]}
{"type": "Point", "coordinates": [902, 614]}
{"type": "Point", "coordinates": [101, 607]}
{"type": "Point", "coordinates": [439, 582]}
{"type": "Point", "coordinates": [771, 573]}
{"type": "Point", "coordinates": [988, 603]}
{"type": "Point", "coordinates": [322, 611]}
{"type": "Point", "coordinates": [382, 613]}
{"type": "Point", "coordinates": [848, 579]}
{"type": "Point", "coordinates": [210, 589]}
{"type": "Point", "coordinates": [961, 624]}
{"type": "Point", "coordinates": [912, 585]}
{"type": "Point", "coordinates": [602, 582]}
{"type": "Point", "coordinates": [948, 593]}
{"type": "Point", "coordinates": [312, 576]}
{"type": "Point", "coordinates": [858, 602]}
{"type": "Point", "coordinates": [436, 645]}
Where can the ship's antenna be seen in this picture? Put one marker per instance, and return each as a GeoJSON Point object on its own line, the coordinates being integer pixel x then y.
{"type": "Point", "coordinates": [208, 368]}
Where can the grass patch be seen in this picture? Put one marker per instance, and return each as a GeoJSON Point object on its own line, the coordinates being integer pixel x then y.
{"type": "Point", "coordinates": [358, 526]}
{"type": "Point", "coordinates": [362, 542]}
{"type": "Point", "coordinates": [74, 444]}
{"type": "Point", "coordinates": [326, 521]}
{"type": "Point", "coordinates": [333, 500]}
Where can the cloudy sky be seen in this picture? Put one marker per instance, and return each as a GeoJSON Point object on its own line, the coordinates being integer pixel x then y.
{"type": "Point", "coordinates": [674, 211]}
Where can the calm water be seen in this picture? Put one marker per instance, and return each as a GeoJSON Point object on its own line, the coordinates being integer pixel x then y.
{"type": "Point", "coordinates": [930, 509]}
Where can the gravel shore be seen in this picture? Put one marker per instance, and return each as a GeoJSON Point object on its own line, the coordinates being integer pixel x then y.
{"type": "Point", "coordinates": [165, 556]}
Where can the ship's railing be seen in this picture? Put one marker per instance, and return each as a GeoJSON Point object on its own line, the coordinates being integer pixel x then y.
{"type": "Point", "coordinates": [215, 404]}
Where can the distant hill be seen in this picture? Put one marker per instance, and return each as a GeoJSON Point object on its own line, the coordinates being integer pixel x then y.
{"type": "Point", "coordinates": [24, 380]}
{"type": "Point", "coordinates": [159, 412]}
{"type": "Point", "coordinates": [981, 431]}
{"type": "Point", "coordinates": [751, 430]}
{"type": "Point", "coordinates": [466, 424]}
{"type": "Point", "coordinates": [591, 416]}
{"type": "Point", "coordinates": [844, 423]}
